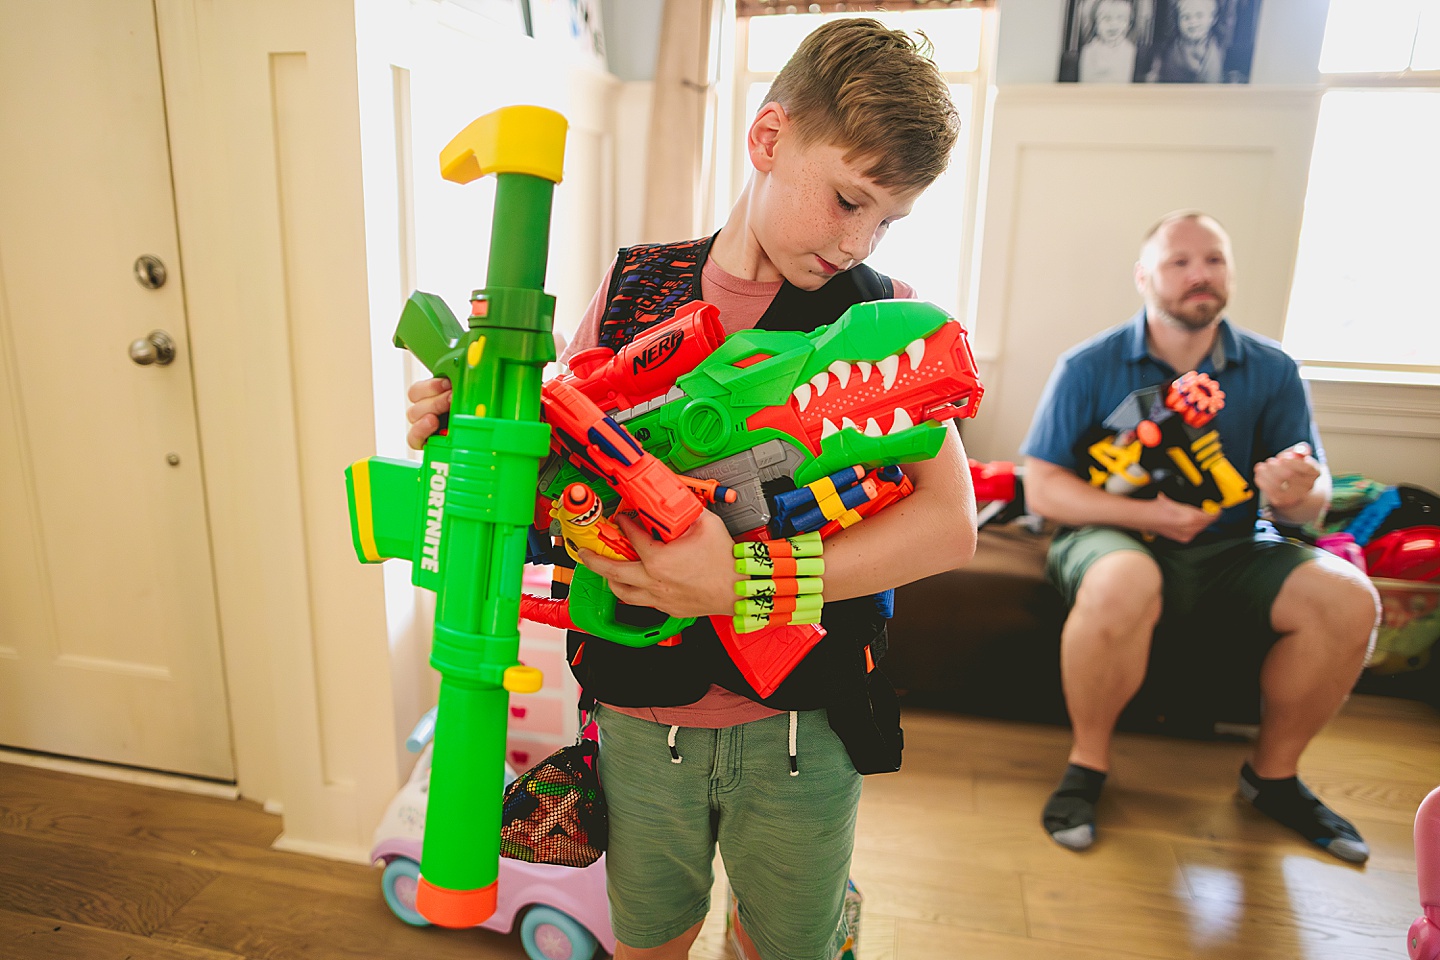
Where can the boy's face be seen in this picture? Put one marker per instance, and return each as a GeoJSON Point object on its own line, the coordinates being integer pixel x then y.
{"type": "Point", "coordinates": [813, 214]}
{"type": "Point", "coordinates": [1112, 20]}
{"type": "Point", "coordinates": [1196, 18]}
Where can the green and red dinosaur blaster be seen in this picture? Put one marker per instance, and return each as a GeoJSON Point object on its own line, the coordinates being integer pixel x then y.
{"type": "Point", "coordinates": [788, 436]}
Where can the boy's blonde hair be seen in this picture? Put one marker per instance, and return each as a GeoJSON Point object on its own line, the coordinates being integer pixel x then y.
{"type": "Point", "coordinates": [875, 93]}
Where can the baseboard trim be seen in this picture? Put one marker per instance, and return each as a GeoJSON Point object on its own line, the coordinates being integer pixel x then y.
{"type": "Point", "coordinates": [345, 853]}
{"type": "Point", "coordinates": [110, 771]}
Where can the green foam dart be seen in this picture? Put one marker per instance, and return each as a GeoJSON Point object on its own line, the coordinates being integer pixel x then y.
{"type": "Point", "coordinates": [463, 513]}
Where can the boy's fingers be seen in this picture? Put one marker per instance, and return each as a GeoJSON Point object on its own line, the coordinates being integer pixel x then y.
{"type": "Point", "coordinates": [637, 535]}
{"type": "Point", "coordinates": [429, 407]}
{"type": "Point", "coordinates": [422, 389]}
{"type": "Point", "coordinates": [421, 430]}
{"type": "Point", "coordinates": [621, 572]}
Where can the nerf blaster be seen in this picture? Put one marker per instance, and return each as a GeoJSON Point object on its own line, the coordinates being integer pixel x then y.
{"type": "Point", "coordinates": [762, 414]}
{"type": "Point", "coordinates": [462, 515]}
{"type": "Point", "coordinates": [1159, 440]}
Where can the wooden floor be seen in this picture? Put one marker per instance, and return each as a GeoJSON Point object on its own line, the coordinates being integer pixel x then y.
{"type": "Point", "coordinates": [951, 860]}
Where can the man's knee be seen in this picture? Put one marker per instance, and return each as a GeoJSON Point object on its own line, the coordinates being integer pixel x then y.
{"type": "Point", "coordinates": [1121, 588]}
{"type": "Point", "coordinates": [1331, 599]}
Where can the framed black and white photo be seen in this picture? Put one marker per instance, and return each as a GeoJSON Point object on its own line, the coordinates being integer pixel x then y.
{"type": "Point", "coordinates": [1159, 41]}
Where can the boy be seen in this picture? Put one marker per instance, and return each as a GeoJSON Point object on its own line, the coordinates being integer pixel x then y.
{"type": "Point", "coordinates": [855, 127]}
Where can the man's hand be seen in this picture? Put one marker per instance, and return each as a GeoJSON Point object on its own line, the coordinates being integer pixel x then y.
{"type": "Point", "coordinates": [1176, 521]}
{"type": "Point", "coordinates": [1287, 478]}
{"type": "Point", "coordinates": [692, 576]}
{"type": "Point", "coordinates": [428, 400]}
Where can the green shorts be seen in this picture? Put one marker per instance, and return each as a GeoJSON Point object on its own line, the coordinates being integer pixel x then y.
{"type": "Point", "coordinates": [786, 840]}
{"type": "Point", "coordinates": [1221, 589]}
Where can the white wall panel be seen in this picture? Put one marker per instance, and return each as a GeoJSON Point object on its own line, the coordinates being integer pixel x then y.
{"type": "Point", "coordinates": [1077, 174]}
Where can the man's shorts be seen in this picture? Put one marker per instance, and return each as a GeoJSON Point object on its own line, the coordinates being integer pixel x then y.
{"type": "Point", "coordinates": [786, 840]}
{"type": "Point", "coordinates": [1222, 589]}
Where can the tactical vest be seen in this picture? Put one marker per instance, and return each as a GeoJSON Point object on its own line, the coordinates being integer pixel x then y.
{"type": "Point", "coordinates": [648, 284]}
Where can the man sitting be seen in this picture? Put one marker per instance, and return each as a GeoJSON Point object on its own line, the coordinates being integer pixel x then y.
{"type": "Point", "coordinates": [1122, 561]}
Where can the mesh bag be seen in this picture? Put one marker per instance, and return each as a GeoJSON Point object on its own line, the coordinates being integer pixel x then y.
{"type": "Point", "coordinates": [555, 811]}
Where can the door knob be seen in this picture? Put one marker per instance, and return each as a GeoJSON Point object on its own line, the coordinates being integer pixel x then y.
{"type": "Point", "coordinates": [156, 348]}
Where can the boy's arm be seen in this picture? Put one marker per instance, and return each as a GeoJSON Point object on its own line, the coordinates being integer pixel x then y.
{"type": "Point", "coordinates": [928, 532]}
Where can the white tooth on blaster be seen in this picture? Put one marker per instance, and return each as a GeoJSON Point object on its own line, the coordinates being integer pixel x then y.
{"type": "Point", "coordinates": [889, 369]}
{"type": "Point", "coordinates": [847, 424]}
{"type": "Point", "coordinates": [902, 421]}
{"type": "Point", "coordinates": [827, 428]}
{"type": "Point", "coordinates": [841, 369]}
{"type": "Point", "coordinates": [866, 368]}
{"type": "Point", "coordinates": [916, 352]}
{"type": "Point", "coordinates": [802, 396]}
{"type": "Point", "coordinates": [820, 382]}
{"type": "Point", "coordinates": [872, 428]}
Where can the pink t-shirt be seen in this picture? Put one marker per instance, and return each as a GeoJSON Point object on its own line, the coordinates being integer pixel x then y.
{"type": "Point", "coordinates": [741, 303]}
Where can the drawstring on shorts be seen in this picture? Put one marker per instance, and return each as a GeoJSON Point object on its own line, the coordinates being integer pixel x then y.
{"type": "Point", "coordinates": [794, 761]}
{"type": "Point", "coordinates": [794, 756]}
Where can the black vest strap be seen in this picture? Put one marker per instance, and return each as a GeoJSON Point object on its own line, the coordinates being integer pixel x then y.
{"type": "Point", "coordinates": [796, 309]}
{"type": "Point", "coordinates": [647, 285]}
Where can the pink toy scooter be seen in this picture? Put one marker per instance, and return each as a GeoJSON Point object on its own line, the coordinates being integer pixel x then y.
{"type": "Point", "coordinates": [562, 912]}
{"type": "Point", "coordinates": [1424, 939]}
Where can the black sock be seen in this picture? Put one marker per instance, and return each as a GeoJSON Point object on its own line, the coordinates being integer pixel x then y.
{"type": "Point", "coordinates": [1290, 802]}
{"type": "Point", "coordinates": [1069, 815]}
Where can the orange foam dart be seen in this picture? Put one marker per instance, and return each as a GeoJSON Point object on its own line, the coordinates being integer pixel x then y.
{"type": "Point", "coordinates": [710, 491]}
{"type": "Point", "coordinates": [1196, 397]}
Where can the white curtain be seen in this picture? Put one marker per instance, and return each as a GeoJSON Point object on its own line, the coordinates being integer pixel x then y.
{"type": "Point", "coordinates": [684, 117]}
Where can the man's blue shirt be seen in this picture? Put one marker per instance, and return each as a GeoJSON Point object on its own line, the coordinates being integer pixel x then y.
{"type": "Point", "coordinates": [1267, 406]}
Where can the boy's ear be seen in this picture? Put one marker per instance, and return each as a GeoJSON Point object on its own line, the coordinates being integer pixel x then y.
{"type": "Point", "coordinates": [769, 125]}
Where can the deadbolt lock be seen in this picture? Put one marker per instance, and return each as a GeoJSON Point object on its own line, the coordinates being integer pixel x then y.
{"type": "Point", "coordinates": [150, 272]}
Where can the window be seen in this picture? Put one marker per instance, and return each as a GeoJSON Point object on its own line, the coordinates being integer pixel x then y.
{"type": "Point", "coordinates": [1362, 294]}
{"type": "Point", "coordinates": [930, 248]}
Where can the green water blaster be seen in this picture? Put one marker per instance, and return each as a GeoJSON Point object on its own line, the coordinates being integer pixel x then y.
{"type": "Point", "coordinates": [462, 514]}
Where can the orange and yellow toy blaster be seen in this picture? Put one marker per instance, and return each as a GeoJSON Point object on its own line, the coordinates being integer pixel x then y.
{"type": "Point", "coordinates": [1160, 440]}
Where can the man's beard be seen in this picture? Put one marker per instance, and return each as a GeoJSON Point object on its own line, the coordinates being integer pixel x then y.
{"type": "Point", "coordinates": [1196, 316]}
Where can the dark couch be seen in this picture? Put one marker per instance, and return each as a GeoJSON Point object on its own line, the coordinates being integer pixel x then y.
{"type": "Point", "coordinates": [985, 640]}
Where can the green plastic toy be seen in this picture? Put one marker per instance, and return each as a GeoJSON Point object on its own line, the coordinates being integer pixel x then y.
{"type": "Point", "coordinates": [463, 513]}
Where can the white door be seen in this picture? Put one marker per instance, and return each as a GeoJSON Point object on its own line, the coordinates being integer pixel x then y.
{"type": "Point", "coordinates": [109, 644]}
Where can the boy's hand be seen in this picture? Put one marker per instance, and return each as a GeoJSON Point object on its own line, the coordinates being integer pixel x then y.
{"type": "Point", "coordinates": [692, 576]}
{"type": "Point", "coordinates": [1287, 478]}
{"type": "Point", "coordinates": [428, 400]}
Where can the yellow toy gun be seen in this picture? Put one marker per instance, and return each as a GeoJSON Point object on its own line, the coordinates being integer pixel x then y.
{"type": "Point", "coordinates": [1160, 440]}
